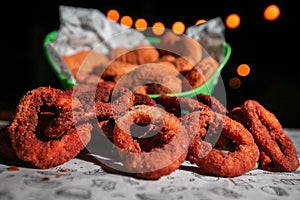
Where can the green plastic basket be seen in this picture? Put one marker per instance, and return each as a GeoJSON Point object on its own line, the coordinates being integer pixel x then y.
{"type": "Point", "coordinates": [206, 88]}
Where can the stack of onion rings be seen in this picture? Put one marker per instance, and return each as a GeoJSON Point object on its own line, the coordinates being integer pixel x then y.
{"type": "Point", "coordinates": [151, 137]}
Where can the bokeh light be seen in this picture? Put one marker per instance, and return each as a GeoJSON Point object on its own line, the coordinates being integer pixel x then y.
{"type": "Point", "coordinates": [126, 21]}
{"type": "Point", "coordinates": [243, 70]}
{"type": "Point", "coordinates": [272, 12]}
{"type": "Point", "coordinates": [140, 24]}
{"type": "Point", "coordinates": [113, 15]}
{"type": "Point", "coordinates": [234, 83]}
{"type": "Point", "coordinates": [158, 28]}
{"type": "Point", "coordinates": [233, 21]}
{"type": "Point", "coordinates": [200, 21]}
{"type": "Point", "coordinates": [178, 27]}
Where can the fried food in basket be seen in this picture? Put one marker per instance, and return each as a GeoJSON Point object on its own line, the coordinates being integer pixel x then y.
{"type": "Point", "coordinates": [200, 73]}
{"type": "Point", "coordinates": [83, 63]}
{"type": "Point", "coordinates": [158, 78]}
{"type": "Point", "coordinates": [181, 53]}
{"type": "Point", "coordinates": [140, 54]}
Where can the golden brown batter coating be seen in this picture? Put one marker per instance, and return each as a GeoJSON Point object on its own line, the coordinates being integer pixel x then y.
{"type": "Point", "coordinates": [31, 145]}
{"type": "Point", "coordinates": [83, 63]}
{"type": "Point", "coordinates": [184, 64]}
{"type": "Point", "coordinates": [190, 47]}
{"type": "Point", "coordinates": [217, 161]}
{"type": "Point", "coordinates": [140, 54]}
{"type": "Point", "coordinates": [278, 152]}
{"type": "Point", "coordinates": [150, 141]}
{"type": "Point", "coordinates": [114, 70]}
{"type": "Point", "coordinates": [200, 73]}
{"type": "Point", "coordinates": [158, 78]}
{"type": "Point", "coordinates": [167, 42]}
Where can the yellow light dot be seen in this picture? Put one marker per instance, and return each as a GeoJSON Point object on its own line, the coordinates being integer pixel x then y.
{"type": "Point", "coordinates": [140, 24]}
{"type": "Point", "coordinates": [113, 15]}
{"type": "Point", "coordinates": [158, 28]}
{"type": "Point", "coordinates": [235, 83]}
{"type": "Point", "coordinates": [272, 12]}
{"type": "Point", "coordinates": [126, 21]}
{"type": "Point", "coordinates": [233, 21]}
{"type": "Point", "coordinates": [178, 27]}
{"type": "Point", "coordinates": [243, 70]}
{"type": "Point", "coordinates": [200, 21]}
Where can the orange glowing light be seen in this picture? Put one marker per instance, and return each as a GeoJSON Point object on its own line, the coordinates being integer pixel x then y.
{"type": "Point", "coordinates": [178, 27]}
{"type": "Point", "coordinates": [200, 21]}
{"type": "Point", "coordinates": [126, 21]}
{"type": "Point", "coordinates": [243, 70]}
{"type": "Point", "coordinates": [233, 21]}
{"type": "Point", "coordinates": [235, 83]}
{"type": "Point", "coordinates": [272, 12]}
{"type": "Point", "coordinates": [140, 24]}
{"type": "Point", "coordinates": [113, 15]}
{"type": "Point", "coordinates": [158, 28]}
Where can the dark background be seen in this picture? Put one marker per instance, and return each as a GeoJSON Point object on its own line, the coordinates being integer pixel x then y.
{"type": "Point", "coordinates": [270, 48]}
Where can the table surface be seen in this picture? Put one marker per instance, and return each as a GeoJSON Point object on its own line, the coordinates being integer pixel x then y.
{"type": "Point", "coordinates": [83, 179]}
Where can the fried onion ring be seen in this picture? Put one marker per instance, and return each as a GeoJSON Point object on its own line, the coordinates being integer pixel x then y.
{"type": "Point", "coordinates": [151, 142]}
{"type": "Point", "coordinates": [217, 161]}
{"type": "Point", "coordinates": [30, 145]}
{"type": "Point", "coordinates": [277, 151]}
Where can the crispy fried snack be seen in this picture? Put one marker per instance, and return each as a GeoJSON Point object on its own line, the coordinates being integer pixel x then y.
{"type": "Point", "coordinates": [116, 54]}
{"type": "Point", "coordinates": [167, 42]}
{"type": "Point", "coordinates": [140, 54]}
{"type": "Point", "coordinates": [94, 100]}
{"type": "Point", "coordinates": [277, 151]}
{"type": "Point", "coordinates": [114, 70]}
{"type": "Point", "coordinates": [177, 46]}
{"type": "Point", "coordinates": [184, 64]}
{"type": "Point", "coordinates": [83, 64]}
{"type": "Point", "coordinates": [188, 47]}
{"type": "Point", "coordinates": [207, 126]}
{"type": "Point", "coordinates": [212, 102]}
{"type": "Point", "coordinates": [150, 141]}
{"type": "Point", "coordinates": [31, 144]}
{"type": "Point", "coordinates": [178, 106]}
{"type": "Point", "coordinates": [200, 73]}
{"type": "Point", "coordinates": [142, 99]}
{"type": "Point", "coordinates": [158, 78]}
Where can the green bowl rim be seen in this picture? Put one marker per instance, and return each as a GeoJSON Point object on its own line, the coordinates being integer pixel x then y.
{"type": "Point", "coordinates": [69, 83]}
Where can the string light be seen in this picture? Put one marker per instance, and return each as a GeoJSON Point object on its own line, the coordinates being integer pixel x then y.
{"type": "Point", "coordinates": [243, 70]}
{"type": "Point", "coordinates": [158, 28]}
{"type": "Point", "coordinates": [178, 27]}
{"type": "Point", "coordinates": [113, 15]}
{"type": "Point", "coordinates": [233, 21]}
{"type": "Point", "coordinates": [126, 21]}
{"type": "Point", "coordinates": [271, 12]}
{"type": "Point", "coordinates": [200, 21]}
{"type": "Point", "coordinates": [140, 24]}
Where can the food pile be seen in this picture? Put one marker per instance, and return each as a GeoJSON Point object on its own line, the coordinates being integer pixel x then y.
{"type": "Point", "coordinates": [150, 137]}
{"type": "Point", "coordinates": [176, 64]}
